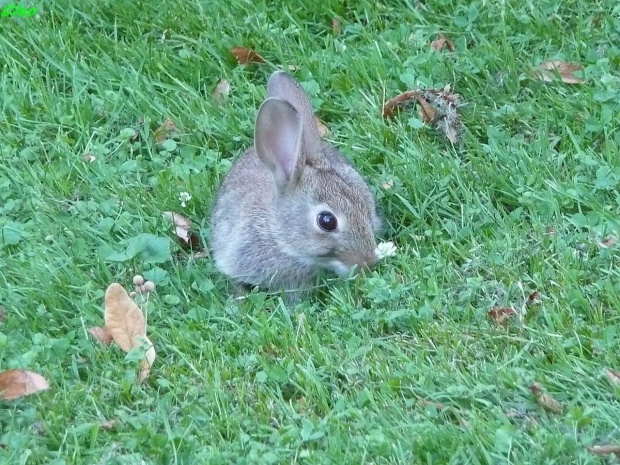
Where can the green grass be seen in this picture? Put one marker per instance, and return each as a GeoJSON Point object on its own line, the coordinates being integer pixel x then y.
{"type": "Point", "coordinates": [521, 206]}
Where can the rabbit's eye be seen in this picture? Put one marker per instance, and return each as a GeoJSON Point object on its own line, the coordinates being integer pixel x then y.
{"type": "Point", "coordinates": [327, 221]}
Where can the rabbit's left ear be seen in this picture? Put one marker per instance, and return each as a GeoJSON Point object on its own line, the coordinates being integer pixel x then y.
{"type": "Point", "coordinates": [284, 87]}
{"type": "Point", "coordinates": [278, 138]}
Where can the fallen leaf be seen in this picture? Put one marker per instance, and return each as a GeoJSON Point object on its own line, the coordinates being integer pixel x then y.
{"type": "Point", "coordinates": [109, 424]}
{"type": "Point", "coordinates": [427, 112]}
{"type": "Point", "coordinates": [123, 318]}
{"type": "Point", "coordinates": [613, 377]}
{"type": "Point", "coordinates": [245, 55]}
{"type": "Point", "coordinates": [545, 400]}
{"type": "Point", "coordinates": [566, 71]}
{"type": "Point", "coordinates": [323, 131]}
{"type": "Point", "coordinates": [101, 334]}
{"type": "Point", "coordinates": [161, 133]}
{"type": "Point", "coordinates": [221, 91]}
{"type": "Point", "coordinates": [335, 27]}
{"type": "Point", "coordinates": [440, 105]}
{"type": "Point", "coordinates": [19, 383]}
{"type": "Point", "coordinates": [501, 314]}
{"type": "Point", "coordinates": [604, 450]}
{"type": "Point", "coordinates": [442, 42]}
{"type": "Point", "coordinates": [401, 100]}
{"type": "Point", "coordinates": [125, 321]}
{"type": "Point", "coordinates": [533, 298]}
{"type": "Point", "coordinates": [182, 227]}
{"type": "Point", "coordinates": [89, 158]}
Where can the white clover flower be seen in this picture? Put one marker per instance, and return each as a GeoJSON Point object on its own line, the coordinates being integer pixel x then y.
{"type": "Point", "coordinates": [385, 249]}
{"type": "Point", "coordinates": [184, 197]}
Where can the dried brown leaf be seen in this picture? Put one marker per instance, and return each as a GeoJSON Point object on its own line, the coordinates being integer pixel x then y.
{"type": "Point", "coordinates": [427, 112]}
{"type": "Point", "coordinates": [221, 91]}
{"type": "Point", "coordinates": [245, 55]}
{"type": "Point", "coordinates": [19, 383]}
{"type": "Point", "coordinates": [501, 314]}
{"type": "Point", "coordinates": [127, 324]}
{"type": "Point", "coordinates": [545, 400]}
{"type": "Point", "coordinates": [566, 71]}
{"type": "Point", "coordinates": [89, 157]}
{"type": "Point", "coordinates": [613, 377]}
{"type": "Point", "coordinates": [604, 450]}
{"type": "Point", "coordinates": [123, 318]}
{"type": "Point", "coordinates": [442, 42]}
{"type": "Point", "coordinates": [161, 133]}
{"type": "Point", "coordinates": [182, 227]}
{"type": "Point", "coordinates": [390, 107]}
{"type": "Point", "coordinates": [101, 334]}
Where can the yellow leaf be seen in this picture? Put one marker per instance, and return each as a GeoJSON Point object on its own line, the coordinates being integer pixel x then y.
{"type": "Point", "coordinates": [123, 318]}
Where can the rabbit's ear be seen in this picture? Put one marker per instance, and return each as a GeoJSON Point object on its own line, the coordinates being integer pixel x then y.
{"type": "Point", "coordinates": [277, 138]}
{"type": "Point", "coordinates": [284, 87]}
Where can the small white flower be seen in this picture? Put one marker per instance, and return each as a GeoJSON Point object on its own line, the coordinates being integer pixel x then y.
{"type": "Point", "coordinates": [184, 197]}
{"type": "Point", "coordinates": [385, 249]}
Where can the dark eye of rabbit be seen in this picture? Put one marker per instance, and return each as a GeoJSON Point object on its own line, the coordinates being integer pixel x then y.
{"type": "Point", "coordinates": [327, 221]}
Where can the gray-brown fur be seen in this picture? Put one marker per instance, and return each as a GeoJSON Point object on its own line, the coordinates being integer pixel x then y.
{"type": "Point", "coordinates": [262, 230]}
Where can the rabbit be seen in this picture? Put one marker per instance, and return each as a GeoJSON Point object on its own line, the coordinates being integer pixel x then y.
{"type": "Point", "coordinates": [292, 205]}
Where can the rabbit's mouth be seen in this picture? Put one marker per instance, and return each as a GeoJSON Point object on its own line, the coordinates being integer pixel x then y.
{"type": "Point", "coordinates": [339, 268]}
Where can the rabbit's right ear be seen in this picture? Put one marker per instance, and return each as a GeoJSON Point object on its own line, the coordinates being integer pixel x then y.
{"type": "Point", "coordinates": [277, 138]}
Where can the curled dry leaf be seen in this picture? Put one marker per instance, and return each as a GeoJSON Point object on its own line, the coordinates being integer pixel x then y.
{"type": "Point", "coordinates": [613, 377]}
{"type": "Point", "coordinates": [426, 112]}
{"type": "Point", "coordinates": [545, 400]}
{"type": "Point", "coordinates": [401, 100]}
{"type": "Point", "coordinates": [442, 42]}
{"type": "Point", "coordinates": [127, 324]}
{"type": "Point", "coordinates": [501, 314]}
{"type": "Point", "coordinates": [245, 55]}
{"type": "Point", "coordinates": [101, 334]}
{"type": "Point", "coordinates": [19, 383]}
{"type": "Point", "coordinates": [89, 157]}
{"type": "Point", "coordinates": [604, 450]}
{"type": "Point", "coordinates": [182, 228]}
{"type": "Point", "coordinates": [547, 71]}
{"type": "Point", "coordinates": [438, 106]}
{"type": "Point", "coordinates": [161, 133]}
{"type": "Point", "coordinates": [221, 91]}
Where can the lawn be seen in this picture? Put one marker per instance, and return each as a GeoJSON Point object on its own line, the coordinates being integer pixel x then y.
{"type": "Point", "coordinates": [402, 365]}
